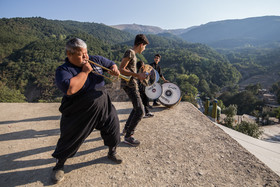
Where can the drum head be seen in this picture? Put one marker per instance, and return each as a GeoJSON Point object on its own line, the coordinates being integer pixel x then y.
{"type": "Point", "coordinates": [171, 94]}
{"type": "Point", "coordinates": [157, 76]}
{"type": "Point", "coordinates": [152, 75]}
{"type": "Point", "coordinates": [154, 91]}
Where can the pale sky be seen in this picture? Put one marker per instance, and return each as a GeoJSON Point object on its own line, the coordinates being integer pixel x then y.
{"type": "Point", "coordinates": [166, 14]}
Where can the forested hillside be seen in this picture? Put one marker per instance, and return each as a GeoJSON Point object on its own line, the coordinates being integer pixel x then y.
{"type": "Point", "coordinates": [256, 62]}
{"type": "Point", "coordinates": [32, 48]}
{"type": "Point", "coordinates": [256, 32]}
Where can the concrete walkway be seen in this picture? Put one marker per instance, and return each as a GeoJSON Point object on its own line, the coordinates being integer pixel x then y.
{"type": "Point", "coordinates": [267, 152]}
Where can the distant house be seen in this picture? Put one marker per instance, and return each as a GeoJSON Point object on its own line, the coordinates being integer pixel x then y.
{"type": "Point", "coordinates": [270, 107]}
{"type": "Point", "coordinates": [239, 118]}
{"type": "Point", "coordinates": [270, 102]}
{"type": "Point", "coordinates": [269, 98]}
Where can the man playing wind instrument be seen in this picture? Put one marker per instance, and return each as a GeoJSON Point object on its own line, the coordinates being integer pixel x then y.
{"type": "Point", "coordinates": [85, 105]}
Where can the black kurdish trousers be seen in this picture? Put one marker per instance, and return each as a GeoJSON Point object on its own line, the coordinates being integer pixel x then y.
{"type": "Point", "coordinates": [80, 116]}
{"type": "Point", "coordinates": [137, 111]}
{"type": "Point", "coordinates": [145, 99]}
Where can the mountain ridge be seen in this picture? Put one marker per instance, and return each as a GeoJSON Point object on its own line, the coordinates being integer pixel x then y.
{"type": "Point", "coordinates": [231, 33]}
{"type": "Point", "coordinates": [248, 32]}
{"type": "Point", "coordinates": [146, 29]}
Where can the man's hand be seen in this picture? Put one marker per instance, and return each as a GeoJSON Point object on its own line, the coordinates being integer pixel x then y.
{"type": "Point", "coordinates": [77, 82]}
{"type": "Point", "coordinates": [141, 76]}
{"type": "Point", "coordinates": [114, 70]}
{"type": "Point", "coordinates": [87, 68]}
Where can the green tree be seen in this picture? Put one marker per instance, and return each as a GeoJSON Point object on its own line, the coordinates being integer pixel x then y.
{"type": "Point", "coordinates": [204, 87]}
{"type": "Point", "coordinates": [8, 95]}
{"type": "Point", "coordinates": [230, 112]}
{"type": "Point", "coordinates": [277, 113]}
{"type": "Point", "coordinates": [251, 129]}
{"type": "Point", "coordinates": [246, 102]}
{"type": "Point", "coordinates": [253, 88]}
{"type": "Point", "coordinates": [193, 79]}
{"type": "Point", "coordinates": [221, 105]}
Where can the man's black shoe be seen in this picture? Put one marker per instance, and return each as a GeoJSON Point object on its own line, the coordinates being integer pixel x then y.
{"type": "Point", "coordinates": [57, 175]}
{"type": "Point", "coordinates": [149, 115]}
{"type": "Point", "coordinates": [115, 158]}
{"type": "Point", "coordinates": [131, 141]}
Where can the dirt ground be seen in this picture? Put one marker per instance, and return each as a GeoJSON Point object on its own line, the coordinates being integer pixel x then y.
{"type": "Point", "coordinates": [179, 147]}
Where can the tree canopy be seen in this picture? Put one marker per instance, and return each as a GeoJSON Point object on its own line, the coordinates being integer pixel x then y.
{"type": "Point", "coordinates": [32, 48]}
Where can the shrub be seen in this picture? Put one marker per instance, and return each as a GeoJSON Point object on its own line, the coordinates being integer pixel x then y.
{"type": "Point", "coordinates": [228, 122]}
{"type": "Point", "coordinates": [10, 95]}
{"type": "Point", "coordinates": [251, 129]}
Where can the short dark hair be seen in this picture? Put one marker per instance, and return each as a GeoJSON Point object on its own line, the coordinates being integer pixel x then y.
{"type": "Point", "coordinates": [141, 39]}
{"type": "Point", "coordinates": [158, 55]}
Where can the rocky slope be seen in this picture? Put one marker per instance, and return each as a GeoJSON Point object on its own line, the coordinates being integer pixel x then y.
{"type": "Point", "coordinates": [179, 147]}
